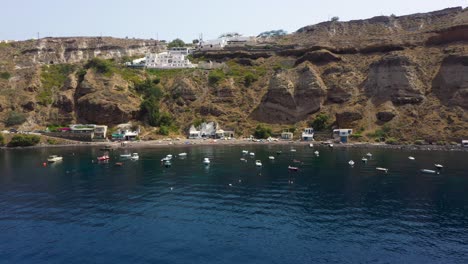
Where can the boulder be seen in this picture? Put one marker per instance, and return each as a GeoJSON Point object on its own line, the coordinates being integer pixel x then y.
{"type": "Point", "coordinates": [291, 96]}
{"type": "Point", "coordinates": [185, 89]}
{"type": "Point", "coordinates": [451, 82]}
{"type": "Point", "coordinates": [210, 110]}
{"type": "Point", "coordinates": [385, 116]}
{"type": "Point", "coordinates": [28, 106]}
{"type": "Point", "coordinates": [394, 78]}
{"type": "Point", "coordinates": [347, 118]}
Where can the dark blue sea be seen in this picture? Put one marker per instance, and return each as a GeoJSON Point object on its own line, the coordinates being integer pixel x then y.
{"type": "Point", "coordinates": [81, 211]}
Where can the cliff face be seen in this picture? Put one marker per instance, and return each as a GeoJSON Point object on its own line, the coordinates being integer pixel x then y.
{"type": "Point", "coordinates": [408, 73]}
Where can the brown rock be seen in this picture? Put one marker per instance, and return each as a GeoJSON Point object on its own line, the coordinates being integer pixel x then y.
{"type": "Point", "coordinates": [347, 118]}
{"type": "Point", "coordinates": [319, 57]}
{"type": "Point", "coordinates": [451, 82]}
{"type": "Point", "coordinates": [210, 110]}
{"type": "Point", "coordinates": [394, 78]}
{"type": "Point", "coordinates": [291, 96]}
{"type": "Point", "coordinates": [28, 106]}
{"type": "Point", "coordinates": [385, 116]}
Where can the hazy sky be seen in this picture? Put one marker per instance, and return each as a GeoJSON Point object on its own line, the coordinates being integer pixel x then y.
{"type": "Point", "coordinates": [186, 19]}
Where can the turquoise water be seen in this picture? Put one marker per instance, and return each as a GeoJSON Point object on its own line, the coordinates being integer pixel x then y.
{"type": "Point", "coordinates": [80, 211]}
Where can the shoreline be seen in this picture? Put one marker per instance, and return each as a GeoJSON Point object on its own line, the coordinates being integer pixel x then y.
{"type": "Point", "coordinates": [212, 142]}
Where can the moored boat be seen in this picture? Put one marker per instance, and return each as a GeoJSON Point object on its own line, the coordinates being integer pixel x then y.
{"type": "Point", "coordinates": [271, 157]}
{"type": "Point", "coordinates": [103, 157]}
{"type": "Point", "coordinates": [54, 158]}
{"type": "Point", "coordinates": [382, 169]}
{"type": "Point", "coordinates": [258, 163]}
{"type": "Point", "coordinates": [351, 162]}
{"type": "Point", "coordinates": [293, 168]}
{"type": "Point", "coordinates": [429, 171]}
{"type": "Point", "coordinates": [183, 154]}
{"type": "Point", "coordinates": [411, 158]}
{"type": "Point", "coordinates": [135, 156]}
{"type": "Point", "coordinates": [206, 161]}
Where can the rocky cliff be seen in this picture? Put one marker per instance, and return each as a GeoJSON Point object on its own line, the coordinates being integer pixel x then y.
{"type": "Point", "coordinates": [405, 75]}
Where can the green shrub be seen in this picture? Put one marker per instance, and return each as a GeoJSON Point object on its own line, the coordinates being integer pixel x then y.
{"type": "Point", "coordinates": [320, 122]}
{"type": "Point", "coordinates": [5, 75]}
{"type": "Point", "coordinates": [101, 66]}
{"type": "Point", "coordinates": [15, 118]}
{"type": "Point", "coordinates": [356, 136]}
{"type": "Point", "coordinates": [419, 142]}
{"type": "Point", "coordinates": [163, 130]}
{"type": "Point", "coordinates": [150, 88]}
{"type": "Point", "coordinates": [391, 141]}
{"type": "Point", "coordinates": [52, 141]}
{"type": "Point", "coordinates": [24, 140]}
{"type": "Point", "coordinates": [2, 140]}
{"type": "Point", "coordinates": [262, 131]}
{"type": "Point", "coordinates": [215, 77]}
{"type": "Point", "coordinates": [52, 78]}
{"type": "Point", "coordinates": [176, 43]}
{"type": "Point", "coordinates": [249, 78]}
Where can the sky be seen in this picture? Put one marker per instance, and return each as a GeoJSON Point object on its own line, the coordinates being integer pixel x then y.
{"type": "Point", "coordinates": [187, 19]}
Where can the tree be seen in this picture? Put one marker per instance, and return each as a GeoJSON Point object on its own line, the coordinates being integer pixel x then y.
{"type": "Point", "coordinates": [335, 19]}
{"type": "Point", "coordinates": [176, 43]}
{"type": "Point", "coordinates": [24, 141]}
{"type": "Point", "coordinates": [249, 78]}
{"type": "Point", "coordinates": [195, 41]}
{"type": "Point", "coordinates": [320, 122]}
{"type": "Point", "coordinates": [272, 33]}
{"type": "Point", "coordinates": [262, 131]}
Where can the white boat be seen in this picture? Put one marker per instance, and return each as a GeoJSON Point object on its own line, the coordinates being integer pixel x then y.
{"type": "Point", "coordinates": [206, 161]}
{"type": "Point", "coordinates": [311, 145]}
{"type": "Point", "coordinates": [252, 154]}
{"type": "Point", "coordinates": [364, 159]}
{"type": "Point", "coordinates": [125, 156]}
{"type": "Point", "coordinates": [293, 150]}
{"type": "Point", "coordinates": [135, 156]}
{"type": "Point", "coordinates": [169, 156]}
{"type": "Point", "coordinates": [54, 158]}
{"type": "Point", "coordinates": [351, 162]}
{"type": "Point", "coordinates": [271, 157]}
{"type": "Point", "coordinates": [369, 155]}
{"type": "Point", "coordinates": [316, 152]}
{"type": "Point", "coordinates": [330, 145]}
{"type": "Point", "coordinates": [411, 158]}
{"type": "Point", "coordinates": [183, 154]}
{"type": "Point", "coordinates": [382, 169]}
{"type": "Point", "coordinates": [167, 163]}
{"type": "Point", "coordinates": [438, 166]}
{"type": "Point", "coordinates": [429, 171]}
{"type": "Point", "coordinates": [242, 159]}
{"type": "Point", "coordinates": [245, 151]}
{"type": "Point", "coordinates": [258, 163]}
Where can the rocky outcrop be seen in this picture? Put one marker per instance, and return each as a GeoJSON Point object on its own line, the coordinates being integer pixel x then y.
{"type": "Point", "coordinates": [385, 116]}
{"type": "Point", "coordinates": [346, 119]}
{"type": "Point", "coordinates": [319, 57]}
{"type": "Point", "coordinates": [394, 78]}
{"type": "Point", "coordinates": [291, 96]}
{"type": "Point", "coordinates": [451, 82]}
{"type": "Point", "coordinates": [102, 100]}
{"type": "Point", "coordinates": [186, 90]}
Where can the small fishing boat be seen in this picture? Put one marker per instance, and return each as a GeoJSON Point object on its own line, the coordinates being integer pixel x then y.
{"type": "Point", "coordinates": [169, 156]}
{"type": "Point", "coordinates": [118, 164]}
{"type": "Point", "coordinates": [167, 163]}
{"type": "Point", "coordinates": [316, 152]}
{"type": "Point", "coordinates": [206, 161]}
{"type": "Point", "coordinates": [382, 169]}
{"type": "Point", "coordinates": [293, 150]}
{"type": "Point", "coordinates": [183, 154]}
{"type": "Point", "coordinates": [311, 145]}
{"type": "Point", "coordinates": [245, 151]}
{"type": "Point", "coordinates": [369, 154]}
{"type": "Point", "coordinates": [351, 162]}
{"type": "Point", "coordinates": [296, 161]}
{"type": "Point", "coordinates": [438, 166]}
{"type": "Point", "coordinates": [135, 156]}
{"type": "Point", "coordinates": [242, 159]}
{"type": "Point", "coordinates": [103, 158]}
{"type": "Point", "coordinates": [279, 152]}
{"type": "Point", "coordinates": [258, 163]}
{"type": "Point", "coordinates": [293, 168]}
{"type": "Point", "coordinates": [252, 154]}
{"type": "Point", "coordinates": [125, 156]}
{"type": "Point", "coordinates": [54, 158]}
{"type": "Point", "coordinates": [330, 145]}
{"type": "Point", "coordinates": [364, 159]}
{"type": "Point", "coordinates": [429, 171]}
{"type": "Point", "coordinates": [411, 158]}
{"type": "Point", "coordinates": [271, 157]}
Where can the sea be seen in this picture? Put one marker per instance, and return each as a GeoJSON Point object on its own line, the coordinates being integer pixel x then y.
{"type": "Point", "coordinates": [83, 211]}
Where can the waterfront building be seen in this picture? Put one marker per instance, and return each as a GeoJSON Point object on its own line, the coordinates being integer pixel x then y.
{"type": "Point", "coordinates": [342, 134]}
{"type": "Point", "coordinates": [308, 134]}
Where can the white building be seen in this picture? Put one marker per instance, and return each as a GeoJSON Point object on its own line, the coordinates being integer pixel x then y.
{"type": "Point", "coordinates": [308, 134]}
{"type": "Point", "coordinates": [175, 58]}
{"type": "Point", "coordinates": [465, 143]}
{"type": "Point", "coordinates": [342, 134]}
{"type": "Point", "coordinates": [220, 43]}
